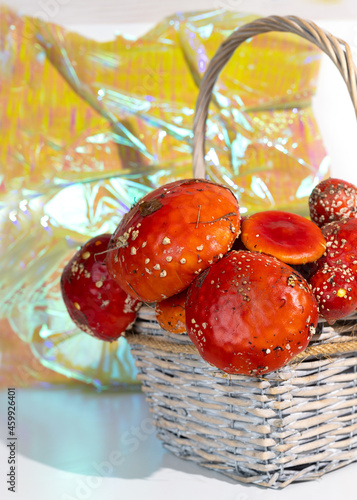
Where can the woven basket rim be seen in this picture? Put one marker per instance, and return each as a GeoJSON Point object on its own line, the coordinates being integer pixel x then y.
{"type": "Point", "coordinates": [313, 351]}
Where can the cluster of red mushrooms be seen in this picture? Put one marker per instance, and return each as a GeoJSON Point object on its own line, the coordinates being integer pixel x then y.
{"type": "Point", "coordinates": [248, 291]}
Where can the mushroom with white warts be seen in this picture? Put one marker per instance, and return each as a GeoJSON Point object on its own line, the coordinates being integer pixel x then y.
{"type": "Point", "coordinates": [172, 224]}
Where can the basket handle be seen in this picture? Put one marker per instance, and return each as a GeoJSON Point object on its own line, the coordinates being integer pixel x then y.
{"type": "Point", "coordinates": [335, 48]}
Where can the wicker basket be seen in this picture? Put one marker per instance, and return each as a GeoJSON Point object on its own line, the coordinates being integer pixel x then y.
{"type": "Point", "coordinates": [292, 425]}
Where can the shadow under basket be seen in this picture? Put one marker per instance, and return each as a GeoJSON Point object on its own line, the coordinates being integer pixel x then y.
{"type": "Point", "coordinates": [295, 424]}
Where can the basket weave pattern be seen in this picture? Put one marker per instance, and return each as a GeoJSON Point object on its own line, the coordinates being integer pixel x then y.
{"type": "Point", "coordinates": [292, 425]}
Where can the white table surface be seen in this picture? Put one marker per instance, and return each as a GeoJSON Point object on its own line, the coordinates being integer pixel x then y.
{"type": "Point", "coordinates": [67, 440]}
{"type": "Point", "coordinates": [68, 437]}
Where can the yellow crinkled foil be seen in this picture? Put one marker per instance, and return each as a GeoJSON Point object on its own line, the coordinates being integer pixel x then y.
{"type": "Point", "coordinates": [87, 128]}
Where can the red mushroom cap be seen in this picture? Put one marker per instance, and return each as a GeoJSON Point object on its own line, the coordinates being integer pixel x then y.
{"type": "Point", "coordinates": [171, 314]}
{"type": "Point", "coordinates": [331, 200]}
{"type": "Point", "coordinates": [287, 236]}
{"type": "Point", "coordinates": [250, 313]}
{"type": "Point", "coordinates": [170, 236]}
{"type": "Point", "coordinates": [335, 289]}
{"type": "Point", "coordinates": [95, 302]}
{"type": "Point", "coordinates": [341, 245]}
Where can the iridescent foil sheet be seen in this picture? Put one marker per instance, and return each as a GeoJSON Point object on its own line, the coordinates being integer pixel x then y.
{"type": "Point", "coordinates": [88, 128]}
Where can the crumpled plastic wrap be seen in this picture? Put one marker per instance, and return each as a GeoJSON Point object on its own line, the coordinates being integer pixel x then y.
{"type": "Point", "coordinates": [88, 128]}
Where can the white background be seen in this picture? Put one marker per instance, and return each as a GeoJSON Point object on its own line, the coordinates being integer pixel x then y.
{"type": "Point", "coordinates": [134, 11]}
{"type": "Point", "coordinates": [68, 439]}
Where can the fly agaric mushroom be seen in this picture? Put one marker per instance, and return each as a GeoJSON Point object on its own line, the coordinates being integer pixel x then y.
{"type": "Point", "coordinates": [250, 314]}
{"type": "Point", "coordinates": [341, 245]}
{"type": "Point", "coordinates": [170, 313]}
{"type": "Point", "coordinates": [95, 302]}
{"type": "Point", "coordinates": [170, 236]}
{"type": "Point", "coordinates": [331, 200]}
{"type": "Point", "coordinates": [335, 290]}
{"type": "Point", "coordinates": [289, 237]}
